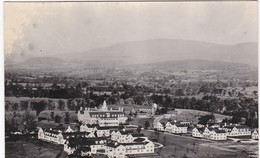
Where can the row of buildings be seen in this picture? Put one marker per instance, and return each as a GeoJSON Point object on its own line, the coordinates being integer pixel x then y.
{"type": "Point", "coordinates": [213, 133]}
{"type": "Point", "coordinates": [172, 127]}
{"type": "Point", "coordinates": [100, 133]}
{"type": "Point", "coordinates": [222, 133]}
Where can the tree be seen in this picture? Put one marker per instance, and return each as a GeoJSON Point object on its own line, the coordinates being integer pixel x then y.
{"type": "Point", "coordinates": [67, 118]}
{"type": "Point", "coordinates": [51, 105]}
{"type": "Point", "coordinates": [15, 106]}
{"type": "Point", "coordinates": [121, 126]}
{"type": "Point", "coordinates": [52, 115]}
{"type": "Point", "coordinates": [10, 127]}
{"type": "Point", "coordinates": [205, 119]}
{"type": "Point", "coordinates": [146, 125]}
{"type": "Point", "coordinates": [57, 119]}
{"type": "Point", "coordinates": [61, 105]}
{"type": "Point", "coordinates": [24, 105]}
{"type": "Point", "coordinates": [29, 121]}
{"type": "Point", "coordinates": [39, 106]}
{"type": "Point", "coordinates": [139, 128]}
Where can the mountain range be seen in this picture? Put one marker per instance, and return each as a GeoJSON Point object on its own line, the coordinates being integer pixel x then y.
{"type": "Point", "coordinates": [154, 51]}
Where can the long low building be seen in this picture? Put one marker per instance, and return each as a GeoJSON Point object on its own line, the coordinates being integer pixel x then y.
{"type": "Point", "coordinates": [126, 136]}
{"type": "Point", "coordinates": [121, 150]}
{"type": "Point", "coordinates": [172, 127]}
{"type": "Point", "coordinates": [59, 137]}
{"type": "Point", "coordinates": [85, 146]}
{"type": "Point", "coordinates": [237, 130]}
{"type": "Point", "coordinates": [102, 116]}
{"type": "Point", "coordinates": [89, 146]}
{"type": "Point", "coordinates": [209, 133]}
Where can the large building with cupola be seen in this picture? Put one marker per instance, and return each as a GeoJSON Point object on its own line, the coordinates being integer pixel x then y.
{"type": "Point", "coordinates": [103, 116]}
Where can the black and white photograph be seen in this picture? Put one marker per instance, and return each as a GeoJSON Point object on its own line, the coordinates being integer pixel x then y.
{"type": "Point", "coordinates": [118, 79]}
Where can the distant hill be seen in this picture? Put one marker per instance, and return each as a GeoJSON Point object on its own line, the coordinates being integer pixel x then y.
{"type": "Point", "coordinates": [159, 50]}
{"type": "Point", "coordinates": [42, 62]}
{"type": "Point", "coordinates": [154, 51]}
{"type": "Point", "coordinates": [192, 65]}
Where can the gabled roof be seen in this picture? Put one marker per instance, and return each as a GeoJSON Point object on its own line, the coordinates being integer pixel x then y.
{"type": "Point", "coordinates": [113, 145]}
{"type": "Point", "coordinates": [219, 131]}
{"type": "Point", "coordinates": [180, 125]}
{"type": "Point", "coordinates": [229, 127]}
{"type": "Point", "coordinates": [91, 125]}
{"type": "Point", "coordinates": [69, 134]}
{"type": "Point", "coordinates": [237, 126]}
{"type": "Point", "coordinates": [162, 122]}
{"type": "Point", "coordinates": [135, 143]}
{"type": "Point", "coordinates": [51, 131]}
{"type": "Point", "coordinates": [139, 140]}
{"type": "Point", "coordinates": [201, 130]}
{"type": "Point", "coordinates": [107, 127]}
{"type": "Point", "coordinates": [102, 128]}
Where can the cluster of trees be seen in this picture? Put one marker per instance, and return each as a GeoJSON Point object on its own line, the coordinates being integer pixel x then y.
{"type": "Point", "coordinates": [75, 88]}
{"type": "Point", "coordinates": [238, 108]}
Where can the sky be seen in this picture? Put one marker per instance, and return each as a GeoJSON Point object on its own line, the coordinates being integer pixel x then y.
{"type": "Point", "coordinates": [47, 28]}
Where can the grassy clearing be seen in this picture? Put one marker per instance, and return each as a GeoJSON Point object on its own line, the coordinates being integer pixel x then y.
{"type": "Point", "coordinates": [193, 115]}
{"type": "Point", "coordinates": [33, 149]}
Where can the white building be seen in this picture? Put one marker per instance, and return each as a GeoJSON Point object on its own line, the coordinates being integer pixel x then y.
{"type": "Point", "coordinates": [88, 127]}
{"type": "Point", "coordinates": [254, 135]}
{"type": "Point", "coordinates": [102, 131]}
{"type": "Point", "coordinates": [197, 132]}
{"type": "Point", "coordinates": [89, 146]}
{"type": "Point", "coordinates": [237, 130]}
{"type": "Point", "coordinates": [209, 133]}
{"type": "Point", "coordinates": [121, 150]}
{"type": "Point", "coordinates": [160, 126]}
{"type": "Point", "coordinates": [86, 146]}
{"type": "Point", "coordinates": [59, 137]}
{"type": "Point", "coordinates": [126, 136]}
{"type": "Point", "coordinates": [102, 116]}
{"type": "Point", "coordinates": [173, 127]}
{"type": "Point", "coordinates": [217, 134]}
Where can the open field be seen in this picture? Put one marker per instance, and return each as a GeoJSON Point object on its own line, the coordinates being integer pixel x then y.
{"type": "Point", "coordinates": [193, 115]}
{"type": "Point", "coordinates": [179, 146]}
{"type": "Point", "coordinates": [33, 149]}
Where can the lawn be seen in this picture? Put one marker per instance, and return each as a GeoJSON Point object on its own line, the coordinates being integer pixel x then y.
{"type": "Point", "coordinates": [193, 115]}
{"type": "Point", "coordinates": [33, 149]}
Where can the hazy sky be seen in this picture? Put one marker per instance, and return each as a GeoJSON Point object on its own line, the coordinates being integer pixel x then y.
{"type": "Point", "coordinates": [47, 28]}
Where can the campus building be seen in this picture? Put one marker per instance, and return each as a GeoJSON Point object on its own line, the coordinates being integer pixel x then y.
{"type": "Point", "coordinates": [59, 137]}
{"type": "Point", "coordinates": [209, 133]}
{"type": "Point", "coordinates": [102, 116]}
